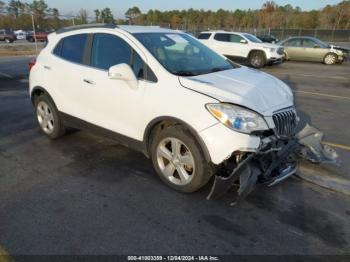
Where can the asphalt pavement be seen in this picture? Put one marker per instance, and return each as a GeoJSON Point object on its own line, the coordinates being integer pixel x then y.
{"type": "Point", "coordinates": [84, 194]}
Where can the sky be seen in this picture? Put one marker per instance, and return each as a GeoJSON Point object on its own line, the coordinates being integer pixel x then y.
{"type": "Point", "coordinates": [120, 7]}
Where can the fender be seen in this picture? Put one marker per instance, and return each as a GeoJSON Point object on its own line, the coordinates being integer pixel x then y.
{"type": "Point", "coordinates": [150, 127]}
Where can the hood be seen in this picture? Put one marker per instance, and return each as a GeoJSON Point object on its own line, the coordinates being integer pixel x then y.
{"type": "Point", "coordinates": [243, 86]}
{"type": "Point", "coordinates": [269, 45]}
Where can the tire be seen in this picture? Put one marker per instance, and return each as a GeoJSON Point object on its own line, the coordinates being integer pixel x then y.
{"type": "Point", "coordinates": [190, 161]}
{"type": "Point", "coordinates": [257, 59]}
{"type": "Point", "coordinates": [48, 117]}
{"type": "Point", "coordinates": [330, 59]}
{"type": "Point", "coordinates": [31, 39]}
{"type": "Point", "coordinates": [285, 57]}
{"type": "Point", "coordinates": [8, 41]}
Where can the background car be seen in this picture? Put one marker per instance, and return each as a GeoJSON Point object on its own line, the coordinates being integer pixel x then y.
{"type": "Point", "coordinates": [243, 47]}
{"type": "Point", "coordinates": [21, 34]}
{"type": "Point", "coordinates": [268, 38]}
{"type": "Point", "coordinates": [39, 36]}
{"type": "Point", "coordinates": [7, 35]}
{"type": "Point", "coordinates": [312, 49]}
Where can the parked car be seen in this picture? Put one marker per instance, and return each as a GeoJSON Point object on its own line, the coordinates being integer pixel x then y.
{"type": "Point", "coordinates": [308, 48]}
{"type": "Point", "coordinates": [39, 36]}
{"type": "Point", "coordinates": [20, 34]}
{"type": "Point", "coordinates": [7, 35]}
{"type": "Point", "coordinates": [268, 39]}
{"type": "Point", "coordinates": [243, 47]}
{"type": "Point", "coordinates": [162, 92]}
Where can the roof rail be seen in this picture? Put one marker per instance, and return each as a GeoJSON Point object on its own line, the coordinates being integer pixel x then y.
{"type": "Point", "coordinates": [86, 26]}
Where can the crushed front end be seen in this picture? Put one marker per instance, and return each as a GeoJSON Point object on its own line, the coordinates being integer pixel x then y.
{"type": "Point", "coordinates": [275, 160]}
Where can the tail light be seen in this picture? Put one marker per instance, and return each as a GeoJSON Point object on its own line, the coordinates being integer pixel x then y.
{"type": "Point", "coordinates": [31, 63]}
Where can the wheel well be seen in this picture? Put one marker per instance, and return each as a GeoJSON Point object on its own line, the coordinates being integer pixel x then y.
{"type": "Point", "coordinates": [161, 123]}
{"type": "Point", "coordinates": [38, 91]}
{"type": "Point", "coordinates": [256, 50]}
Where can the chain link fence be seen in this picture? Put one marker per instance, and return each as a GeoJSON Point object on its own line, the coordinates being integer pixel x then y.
{"type": "Point", "coordinates": [328, 35]}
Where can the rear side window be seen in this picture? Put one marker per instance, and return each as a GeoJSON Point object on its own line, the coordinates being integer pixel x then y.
{"type": "Point", "coordinates": [204, 36]}
{"type": "Point", "coordinates": [72, 48]}
{"type": "Point", "coordinates": [222, 37]}
{"type": "Point", "coordinates": [109, 50]}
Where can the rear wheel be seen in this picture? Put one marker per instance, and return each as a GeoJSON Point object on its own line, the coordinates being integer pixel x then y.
{"type": "Point", "coordinates": [330, 59]}
{"type": "Point", "coordinates": [178, 160]}
{"type": "Point", "coordinates": [257, 59]}
{"type": "Point", "coordinates": [48, 117]}
{"type": "Point", "coordinates": [8, 40]}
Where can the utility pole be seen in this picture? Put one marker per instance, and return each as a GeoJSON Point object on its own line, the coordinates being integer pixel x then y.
{"type": "Point", "coordinates": [34, 35]}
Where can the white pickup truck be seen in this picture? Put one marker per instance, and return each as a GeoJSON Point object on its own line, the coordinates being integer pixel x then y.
{"type": "Point", "coordinates": [243, 47]}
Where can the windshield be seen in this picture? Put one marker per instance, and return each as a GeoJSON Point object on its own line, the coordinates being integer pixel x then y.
{"type": "Point", "coordinates": [252, 38]}
{"type": "Point", "coordinates": [183, 55]}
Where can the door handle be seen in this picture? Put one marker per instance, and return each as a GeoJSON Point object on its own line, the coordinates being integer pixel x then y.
{"type": "Point", "coordinates": [89, 82]}
{"type": "Point", "coordinates": [47, 67]}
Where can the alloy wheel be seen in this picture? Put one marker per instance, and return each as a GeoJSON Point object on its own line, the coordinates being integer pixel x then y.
{"type": "Point", "coordinates": [330, 59]}
{"type": "Point", "coordinates": [175, 161]}
{"type": "Point", "coordinates": [45, 117]}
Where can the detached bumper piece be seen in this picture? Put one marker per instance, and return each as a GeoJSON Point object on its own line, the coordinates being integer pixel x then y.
{"type": "Point", "coordinates": [274, 162]}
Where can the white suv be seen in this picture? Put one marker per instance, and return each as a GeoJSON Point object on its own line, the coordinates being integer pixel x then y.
{"type": "Point", "coordinates": [162, 92]}
{"type": "Point", "coordinates": [243, 47]}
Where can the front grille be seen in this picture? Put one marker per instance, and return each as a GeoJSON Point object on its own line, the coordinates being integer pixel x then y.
{"type": "Point", "coordinates": [280, 51]}
{"type": "Point", "coordinates": [285, 122]}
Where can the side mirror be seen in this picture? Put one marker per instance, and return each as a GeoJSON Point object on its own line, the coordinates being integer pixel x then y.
{"type": "Point", "coordinates": [123, 72]}
{"type": "Point", "coordinates": [243, 41]}
{"type": "Point", "coordinates": [316, 46]}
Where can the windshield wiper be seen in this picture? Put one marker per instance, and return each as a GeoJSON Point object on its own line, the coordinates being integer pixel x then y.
{"type": "Point", "coordinates": [185, 73]}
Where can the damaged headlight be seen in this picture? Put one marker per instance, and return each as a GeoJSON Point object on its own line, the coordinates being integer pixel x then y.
{"type": "Point", "coordinates": [237, 118]}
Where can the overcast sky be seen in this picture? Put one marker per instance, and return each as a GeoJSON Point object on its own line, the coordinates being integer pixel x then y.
{"type": "Point", "coordinates": [119, 7]}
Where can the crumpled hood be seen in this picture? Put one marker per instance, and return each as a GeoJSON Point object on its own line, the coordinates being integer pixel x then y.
{"type": "Point", "coordinates": [243, 86]}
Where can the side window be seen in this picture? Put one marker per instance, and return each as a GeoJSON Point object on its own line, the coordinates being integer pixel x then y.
{"type": "Point", "coordinates": [204, 36]}
{"type": "Point", "coordinates": [294, 43]}
{"type": "Point", "coordinates": [73, 48]}
{"type": "Point", "coordinates": [308, 43]}
{"type": "Point", "coordinates": [137, 66]}
{"type": "Point", "coordinates": [141, 69]}
{"type": "Point", "coordinates": [235, 38]}
{"type": "Point", "coordinates": [109, 50]}
{"type": "Point", "coordinates": [222, 37]}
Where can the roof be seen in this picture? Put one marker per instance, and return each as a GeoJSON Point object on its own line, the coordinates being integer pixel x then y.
{"type": "Point", "coordinates": [128, 28]}
{"type": "Point", "coordinates": [133, 29]}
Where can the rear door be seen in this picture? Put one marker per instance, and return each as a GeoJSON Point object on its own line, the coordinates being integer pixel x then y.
{"type": "Point", "coordinates": [294, 49]}
{"type": "Point", "coordinates": [66, 66]}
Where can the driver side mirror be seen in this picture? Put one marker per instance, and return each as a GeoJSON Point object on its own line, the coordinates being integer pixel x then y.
{"type": "Point", "coordinates": [316, 46]}
{"type": "Point", "coordinates": [243, 41]}
{"type": "Point", "coordinates": [125, 73]}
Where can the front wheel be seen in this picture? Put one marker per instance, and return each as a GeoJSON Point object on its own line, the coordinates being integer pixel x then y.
{"type": "Point", "coordinates": [330, 59]}
{"type": "Point", "coordinates": [178, 160]}
{"type": "Point", "coordinates": [257, 59]}
{"type": "Point", "coordinates": [8, 41]}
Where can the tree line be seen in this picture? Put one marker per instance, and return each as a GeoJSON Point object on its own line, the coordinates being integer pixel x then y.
{"type": "Point", "coordinates": [16, 14]}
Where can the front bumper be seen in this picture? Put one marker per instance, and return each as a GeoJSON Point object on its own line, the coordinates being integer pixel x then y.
{"type": "Point", "coordinates": [275, 161]}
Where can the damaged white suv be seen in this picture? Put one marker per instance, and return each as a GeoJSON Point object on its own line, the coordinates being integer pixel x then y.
{"type": "Point", "coordinates": [162, 92]}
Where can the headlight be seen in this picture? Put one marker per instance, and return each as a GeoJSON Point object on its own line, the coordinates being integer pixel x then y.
{"type": "Point", "coordinates": [270, 49]}
{"type": "Point", "coordinates": [237, 118]}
